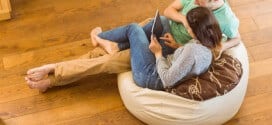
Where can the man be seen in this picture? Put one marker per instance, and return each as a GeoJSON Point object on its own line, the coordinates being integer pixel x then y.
{"type": "Point", "coordinates": [227, 20]}
{"type": "Point", "coordinates": [120, 62]}
{"type": "Point", "coordinates": [178, 26]}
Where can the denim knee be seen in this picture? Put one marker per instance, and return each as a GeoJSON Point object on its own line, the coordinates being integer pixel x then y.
{"type": "Point", "coordinates": [147, 81]}
{"type": "Point", "coordinates": [134, 26]}
{"type": "Point", "coordinates": [139, 79]}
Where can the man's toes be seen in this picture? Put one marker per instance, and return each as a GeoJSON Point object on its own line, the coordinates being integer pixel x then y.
{"type": "Point", "coordinates": [26, 78]}
{"type": "Point", "coordinates": [94, 33]}
{"type": "Point", "coordinates": [98, 30]}
{"type": "Point", "coordinates": [30, 84]}
{"type": "Point", "coordinates": [42, 90]}
{"type": "Point", "coordinates": [30, 71]}
{"type": "Point", "coordinates": [35, 76]}
{"type": "Point", "coordinates": [34, 70]}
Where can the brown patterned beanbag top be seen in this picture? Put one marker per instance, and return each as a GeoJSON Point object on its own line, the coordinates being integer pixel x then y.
{"type": "Point", "coordinates": [222, 76]}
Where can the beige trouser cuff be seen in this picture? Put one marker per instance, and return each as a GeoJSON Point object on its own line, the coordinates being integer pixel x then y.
{"type": "Point", "coordinates": [70, 71]}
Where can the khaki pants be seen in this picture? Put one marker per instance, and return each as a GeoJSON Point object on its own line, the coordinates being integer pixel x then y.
{"type": "Point", "coordinates": [90, 64]}
{"type": "Point", "coordinates": [94, 62]}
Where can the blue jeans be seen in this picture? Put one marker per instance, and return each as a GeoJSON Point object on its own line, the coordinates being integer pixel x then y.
{"type": "Point", "coordinates": [143, 61]}
{"type": "Point", "coordinates": [123, 43]}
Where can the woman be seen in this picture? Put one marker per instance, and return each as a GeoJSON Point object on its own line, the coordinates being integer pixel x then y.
{"type": "Point", "coordinates": [149, 66]}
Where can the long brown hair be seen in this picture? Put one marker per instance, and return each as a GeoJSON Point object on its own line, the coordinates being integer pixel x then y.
{"type": "Point", "coordinates": [206, 28]}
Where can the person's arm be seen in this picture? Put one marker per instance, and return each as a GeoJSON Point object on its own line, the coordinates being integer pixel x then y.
{"type": "Point", "coordinates": [231, 42]}
{"type": "Point", "coordinates": [172, 12]}
{"type": "Point", "coordinates": [170, 74]}
{"type": "Point", "coordinates": [155, 47]}
{"type": "Point", "coordinates": [170, 41]}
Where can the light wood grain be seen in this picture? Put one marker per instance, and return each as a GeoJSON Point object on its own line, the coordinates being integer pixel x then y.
{"type": "Point", "coordinates": [78, 109]}
{"type": "Point", "coordinates": [252, 9]}
{"type": "Point", "coordinates": [261, 68]}
{"type": "Point", "coordinates": [264, 21]}
{"type": "Point", "coordinates": [258, 37]}
{"type": "Point", "coordinates": [1, 6]}
{"type": "Point", "coordinates": [261, 52]}
{"type": "Point", "coordinates": [247, 25]}
{"type": "Point", "coordinates": [234, 3]}
{"type": "Point", "coordinates": [5, 10]}
{"type": "Point", "coordinates": [255, 104]}
{"type": "Point", "coordinates": [86, 89]}
{"type": "Point", "coordinates": [118, 116]}
{"type": "Point", "coordinates": [47, 31]}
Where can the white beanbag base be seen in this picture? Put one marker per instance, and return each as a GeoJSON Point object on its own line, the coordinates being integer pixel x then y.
{"type": "Point", "coordinates": [162, 108]}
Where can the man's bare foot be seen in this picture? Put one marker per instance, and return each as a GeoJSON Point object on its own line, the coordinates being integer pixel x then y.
{"type": "Point", "coordinates": [41, 72]}
{"type": "Point", "coordinates": [94, 33]}
{"type": "Point", "coordinates": [41, 85]}
{"type": "Point", "coordinates": [110, 46]}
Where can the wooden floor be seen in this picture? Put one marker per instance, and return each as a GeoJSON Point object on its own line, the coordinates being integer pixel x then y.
{"type": "Point", "coordinates": [46, 31]}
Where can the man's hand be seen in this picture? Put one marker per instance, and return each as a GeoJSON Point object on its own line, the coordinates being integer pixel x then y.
{"type": "Point", "coordinates": [170, 41]}
{"type": "Point", "coordinates": [155, 47]}
{"type": "Point", "coordinates": [231, 42]}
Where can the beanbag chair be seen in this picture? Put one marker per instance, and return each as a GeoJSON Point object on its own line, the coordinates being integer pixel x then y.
{"type": "Point", "coordinates": [222, 76]}
{"type": "Point", "coordinates": [164, 108]}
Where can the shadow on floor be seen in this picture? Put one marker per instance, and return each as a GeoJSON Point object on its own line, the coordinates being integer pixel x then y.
{"type": "Point", "coordinates": [2, 122]}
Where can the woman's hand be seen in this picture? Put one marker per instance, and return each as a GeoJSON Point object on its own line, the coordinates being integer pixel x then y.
{"type": "Point", "coordinates": [170, 41]}
{"type": "Point", "coordinates": [155, 47]}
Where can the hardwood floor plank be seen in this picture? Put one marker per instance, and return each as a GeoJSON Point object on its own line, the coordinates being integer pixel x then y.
{"type": "Point", "coordinates": [255, 104]}
{"type": "Point", "coordinates": [1, 64]}
{"type": "Point", "coordinates": [260, 68]}
{"type": "Point", "coordinates": [31, 101]}
{"type": "Point", "coordinates": [119, 116]}
{"type": "Point", "coordinates": [12, 78]}
{"type": "Point", "coordinates": [72, 5]}
{"type": "Point", "coordinates": [264, 21]}
{"type": "Point", "coordinates": [1, 6]}
{"type": "Point", "coordinates": [250, 57]}
{"type": "Point", "coordinates": [44, 31]}
{"type": "Point", "coordinates": [53, 26]}
{"type": "Point", "coordinates": [261, 52]}
{"type": "Point", "coordinates": [15, 92]}
{"type": "Point", "coordinates": [63, 113]}
{"type": "Point", "coordinates": [16, 60]}
{"type": "Point", "coordinates": [258, 37]}
{"type": "Point", "coordinates": [253, 9]}
{"type": "Point", "coordinates": [259, 85]}
{"type": "Point", "coordinates": [22, 7]}
{"type": "Point", "coordinates": [47, 55]}
{"type": "Point", "coordinates": [82, 106]}
{"type": "Point", "coordinates": [81, 24]}
{"type": "Point", "coordinates": [12, 83]}
{"type": "Point", "coordinates": [261, 118]}
{"type": "Point", "coordinates": [62, 39]}
{"type": "Point", "coordinates": [44, 20]}
{"type": "Point", "coordinates": [234, 3]}
{"type": "Point", "coordinates": [247, 25]}
{"type": "Point", "coordinates": [14, 67]}
{"type": "Point", "coordinates": [5, 10]}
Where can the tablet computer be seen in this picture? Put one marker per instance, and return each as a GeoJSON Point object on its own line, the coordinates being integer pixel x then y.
{"type": "Point", "coordinates": [157, 27]}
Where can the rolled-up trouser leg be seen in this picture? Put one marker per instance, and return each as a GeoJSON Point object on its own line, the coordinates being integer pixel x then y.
{"type": "Point", "coordinates": [69, 71]}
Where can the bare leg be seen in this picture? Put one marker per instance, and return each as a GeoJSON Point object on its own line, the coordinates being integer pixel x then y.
{"type": "Point", "coordinates": [94, 33]}
{"type": "Point", "coordinates": [110, 46]}
{"type": "Point", "coordinates": [41, 72]}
